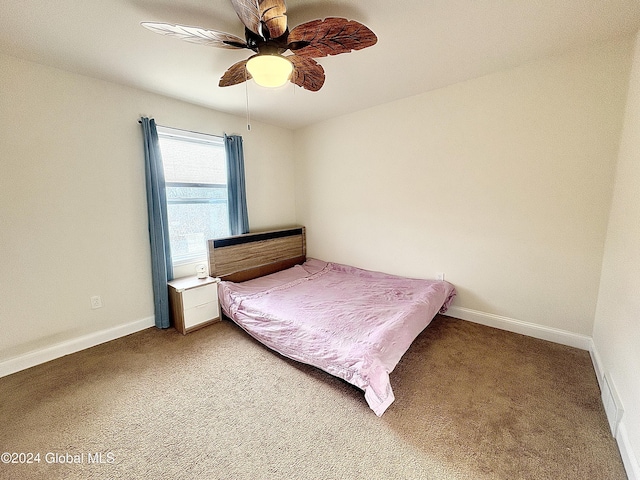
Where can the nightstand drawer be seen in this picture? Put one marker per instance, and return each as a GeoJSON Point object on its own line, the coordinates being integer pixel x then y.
{"type": "Point", "coordinates": [202, 313]}
{"type": "Point", "coordinates": [194, 297]}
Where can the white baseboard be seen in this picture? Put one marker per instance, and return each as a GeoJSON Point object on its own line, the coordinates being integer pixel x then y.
{"type": "Point", "coordinates": [617, 424]}
{"type": "Point", "coordinates": [597, 364]}
{"type": "Point", "coordinates": [551, 334]}
{"type": "Point", "coordinates": [36, 357]}
{"type": "Point", "coordinates": [629, 459]}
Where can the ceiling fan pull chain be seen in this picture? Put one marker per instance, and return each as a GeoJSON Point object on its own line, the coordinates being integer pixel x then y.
{"type": "Point", "coordinates": [246, 93]}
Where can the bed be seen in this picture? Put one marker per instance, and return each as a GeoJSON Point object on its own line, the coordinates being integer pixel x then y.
{"type": "Point", "coordinates": [352, 323]}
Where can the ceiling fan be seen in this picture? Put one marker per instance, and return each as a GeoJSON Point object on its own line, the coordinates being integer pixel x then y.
{"type": "Point", "coordinates": [267, 34]}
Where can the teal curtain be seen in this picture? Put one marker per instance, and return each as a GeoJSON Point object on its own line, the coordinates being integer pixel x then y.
{"type": "Point", "coordinates": [238, 217]}
{"type": "Point", "coordinates": [161, 266]}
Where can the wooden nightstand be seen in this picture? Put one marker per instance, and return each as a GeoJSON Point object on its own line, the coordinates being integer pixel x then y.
{"type": "Point", "coordinates": [194, 303]}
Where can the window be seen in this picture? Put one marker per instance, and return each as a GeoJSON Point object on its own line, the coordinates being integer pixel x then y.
{"type": "Point", "coordinates": [195, 170]}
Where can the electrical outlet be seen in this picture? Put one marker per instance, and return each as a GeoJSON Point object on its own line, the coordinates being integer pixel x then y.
{"type": "Point", "coordinates": [440, 276]}
{"type": "Point", "coordinates": [96, 302]}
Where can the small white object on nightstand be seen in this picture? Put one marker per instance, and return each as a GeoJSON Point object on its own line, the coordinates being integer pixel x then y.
{"type": "Point", "coordinates": [201, 271]}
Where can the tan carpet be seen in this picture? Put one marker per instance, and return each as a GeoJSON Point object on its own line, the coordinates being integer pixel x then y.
{"type": "Point", "coordinates": [472, 402]}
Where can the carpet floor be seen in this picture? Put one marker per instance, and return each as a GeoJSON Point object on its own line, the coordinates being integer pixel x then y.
{"type": "Point", "coordinates": [472, 402]}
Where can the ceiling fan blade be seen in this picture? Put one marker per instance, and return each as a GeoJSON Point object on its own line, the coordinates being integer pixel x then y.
{"type": "Point", "coordinates": [237, 73]}
{"type": "Point", "coordinates": [307, 73]}
{"type": "Point", "coordinates": [201, 36]}
{"type": "Point", "coordinates": [261, 15]}
{"type": "Point", "coordinates": [274, 16]}
{"type": "Point", "coordinates": [331, 36]}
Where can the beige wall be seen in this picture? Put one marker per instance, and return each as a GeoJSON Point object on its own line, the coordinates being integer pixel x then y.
{"type": "Point", "coordinates": [503, 183]}
{"type": "Point", "coordinates": [617, 326]}
{"type": "Point", "coordinates": [73, 205]}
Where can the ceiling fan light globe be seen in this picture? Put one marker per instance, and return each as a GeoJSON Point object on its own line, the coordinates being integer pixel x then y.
{"type": "Point", "coordinates": [270, 70]}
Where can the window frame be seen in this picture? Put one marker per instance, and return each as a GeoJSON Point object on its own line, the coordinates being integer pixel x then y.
{"type": "Point", "coordinates": [192, 137]}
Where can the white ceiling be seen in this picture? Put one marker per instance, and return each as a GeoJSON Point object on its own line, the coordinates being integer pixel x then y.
{"type": "Point", "coordinates": [422, 45]}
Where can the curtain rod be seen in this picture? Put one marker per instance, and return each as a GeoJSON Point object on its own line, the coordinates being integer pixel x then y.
{"type": "Point", "coordinates": [190, 131]}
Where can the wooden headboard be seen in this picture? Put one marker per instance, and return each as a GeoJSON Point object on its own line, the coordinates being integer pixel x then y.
{"type": "Point", "coordinates": [243, 257]}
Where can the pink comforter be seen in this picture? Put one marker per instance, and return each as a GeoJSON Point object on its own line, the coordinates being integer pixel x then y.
{"type": "Point", "coordinates": [352, 323]}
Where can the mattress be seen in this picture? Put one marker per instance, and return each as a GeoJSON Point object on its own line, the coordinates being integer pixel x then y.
{"type": "Point", "coordinates": [352, 323]}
